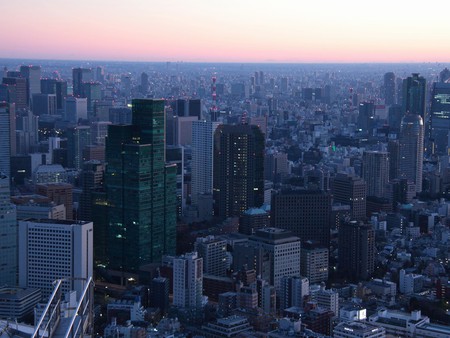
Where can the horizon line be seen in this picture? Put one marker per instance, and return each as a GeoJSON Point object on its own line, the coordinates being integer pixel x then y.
{"type": "Point", "coordinates": [230, 62]}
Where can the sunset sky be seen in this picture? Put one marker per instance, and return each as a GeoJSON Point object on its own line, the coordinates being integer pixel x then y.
{"type": "Point", "coordinates": [227, 30]}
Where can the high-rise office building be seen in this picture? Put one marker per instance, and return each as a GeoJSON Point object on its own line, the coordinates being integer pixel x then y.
{"type": "Point", "coordinates": [440, 117]}
{"type": "Point", "coordinates": [214, 253]}
{"type": "Point", "coordinates": [252, 220]}
{"type": "Point", "coordinates": [314, 262]}
{"type": "Point", "coordinates": [80, 75]}
{"type": "Point", "coordinates": [356, 250]}
{"type": "Point", "coordinates": [91, 179]}
{"type": "Point", "coordinates": [8, 213]}
{"type": "Point", "coordinates": [18, 95]}
{"type": "Point", "coordinates": [77, 139]}
{"type": "Point", "coordinates": [389, 88]}
{"type": "Point", "coordinates": [273, 253]}
{"type": "Point", "coordinates": [55, 249]}
{"type": "Point", "coordinates": [375, 171]}
{"type": "Point", "coordinates": [75, 109]}
{"type": "Point", "coordinates": [238, 179]}
{"type": "Point", "coordinates": [159, 294]}
{"type": "Point", "coordinates": [175, 156]}
{"type": "Point", "coordinates": [8, 233]}
{"type": "Point", "coordinates": [414, 95]}
{"type": "Point", "coordinates": [33, 76]}
{"type": "Point", "coordinates": [44, 104]}
{"type": "Point", "coordinates": [304, 212]}
{"type": "Point", "coordinates": [293, 291]}
{"type": "Point", "coordinates": [144, 83]}
{"type": "Point", "coordinates": [366, 117]}
{"type": "Point", "coordinates": [7, 136]}
{"type": "Point", "coordinates": [57, 87]}
{"type": "Point", "coordinates": [351, 190]}
{"type": "Point", "coordinates": [141, 190]}
{"type": "Point", "coordinates": [202, 159]}
{"type": "Point", "coordinates": [92, 91]}
{"type": "Point", "coordinates": [188, 281]}
{"type": "Point", "coordinates": [411, 149]}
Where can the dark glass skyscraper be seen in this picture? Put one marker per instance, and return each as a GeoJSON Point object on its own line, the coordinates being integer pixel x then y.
{"type": "Point", "coordinates": [414, 99]}
{"type": "Point", "coordinates": [389, 88]}
{"type": "Point", "coordinates": [440, 116]}
{"type": "Point", "coordinates": [411, 149]}
{"type": "Point", "coordinates": [141, 189]}
{"type": "Point", "coordinates": [238, 182]}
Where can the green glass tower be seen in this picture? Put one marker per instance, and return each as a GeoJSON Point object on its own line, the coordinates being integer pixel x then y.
{"type": "Point", "coordinates": [141, 190]}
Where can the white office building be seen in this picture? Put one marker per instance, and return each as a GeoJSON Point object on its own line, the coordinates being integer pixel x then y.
{"type": "Point", "coordinates": [188, 281]}
{"type": "Point", "coordinates": [202, 159]}
{"type": "Point", "coordinates": [55, 249]}
{"type": "Point", "coordinates": [357, 330]}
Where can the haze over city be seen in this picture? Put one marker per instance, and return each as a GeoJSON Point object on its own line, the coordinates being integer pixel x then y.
{"type": "Point", "coordinates": [226, 31]}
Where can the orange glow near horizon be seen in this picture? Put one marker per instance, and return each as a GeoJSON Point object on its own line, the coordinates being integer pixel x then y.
{"type": "Point", "coordinates": [227, 31]}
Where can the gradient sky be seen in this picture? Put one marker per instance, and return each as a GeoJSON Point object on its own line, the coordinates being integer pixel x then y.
{"type": "Point", "coordinates": [227, 30]}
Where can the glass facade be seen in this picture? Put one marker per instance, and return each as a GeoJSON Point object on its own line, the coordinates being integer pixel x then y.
{"type": "Point", "coordinates": [141, 190]}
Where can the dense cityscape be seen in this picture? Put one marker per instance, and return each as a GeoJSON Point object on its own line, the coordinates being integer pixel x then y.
{"type": "Point", "coordinates": [180, 199]}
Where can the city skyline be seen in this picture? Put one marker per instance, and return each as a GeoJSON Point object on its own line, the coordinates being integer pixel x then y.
{"type": "Point", "coordinates": [232, 31]}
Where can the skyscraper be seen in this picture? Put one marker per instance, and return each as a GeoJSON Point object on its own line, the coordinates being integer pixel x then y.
{"type": "Point", "coordinates": [366, 117]}
{"type": "Point", "coordinates": [8, 234]}
{"type": "Point", "coordinates": [238, 179]}
{"type": "Point", "coordinates": [414, 99]}
{"type": "Point", "coordinates": [57, 87]}
{"type": "Point", "coordinates": [356, 250]}
{"type": "Point", "coordinates": [8, 213]}
{"type": "Point", "coordinates": [202, 159]}
{"type": "Point", "coordinates": [351, 190]}
{"type": "Point", "coordinates": [304, 212]}
{"type": "Point", "coordinates": [389, 88]}
{"type": "Point", "coordinates": [375, 172]}
{"type": "Point", "coordinates": [33, 76]}
{"type": "Point", "coordinates": [141, 189]}
{"type": "Point", "coordinates": [411, 149]}
{"type": "Point", "coordinates": [19, 94]}
{"type": "Point", "coordinates": [77, 139]}
{"type": "Point", "coordinates": [214, 253]}
{"type": "Point", "coordinates": [80, 75]}
{"type": "Point", "coordinates": [440, 116]}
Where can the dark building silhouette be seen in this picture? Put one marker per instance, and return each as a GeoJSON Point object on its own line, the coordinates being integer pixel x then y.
{"type": "Point", "coordinates": [80, 75]}
{"type": "Point", "coordinates": [252, 220]}
{"type": "Point", "coordinates": [389, 88]}
{"type": "Point", "coordinates": [395, 115]}
{"type": "Point", "coordinates": [351, 190]}
{"type": "Point", "coordinates": [141, 190]}
{"type": "Point", "coordinates": [440, 117]}
{"type": "Point", "coordinates": [32, 74]}
{"type": "Point", "coordinates": [304, 212]}
{"type": "Point", "coordinates": [366, 117]}
{"type": "Point", "coordinates": [414, 99]}
{"type": "Point", "coordinates": [18, 93]}
{"type": "Point", "coordinates": [57, 87]}
{"type": "Point", "coordinates": [159, 294]}
{"type": "Point", "coordinates": [91, 180]}
{"type": "Point", "coordinates": [238, 182]}
{"type": "Point", "coordinates": [356, 250]}
{"type": "Point", "coordinates": [411, 149]}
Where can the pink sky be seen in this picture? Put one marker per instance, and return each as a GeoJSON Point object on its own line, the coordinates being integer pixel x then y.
{"type": "Point", "coordinates": [229, 30]}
